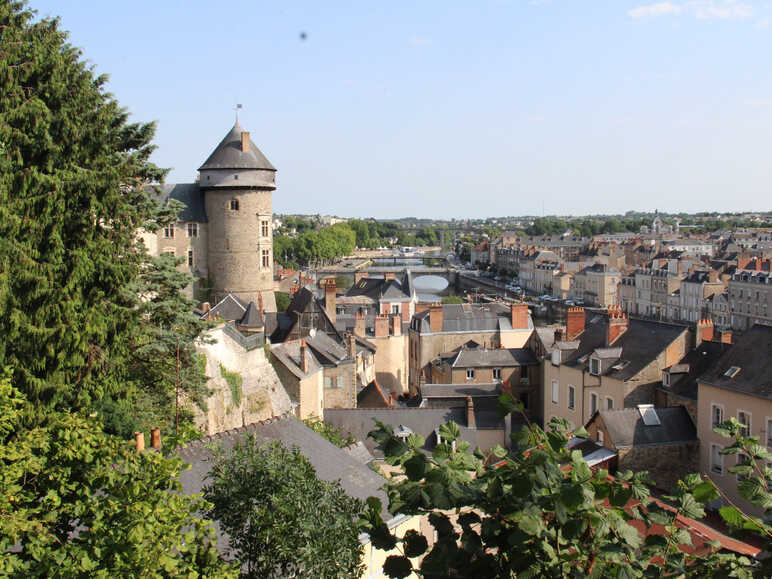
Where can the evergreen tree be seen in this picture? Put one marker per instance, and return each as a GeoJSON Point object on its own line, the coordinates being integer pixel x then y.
{"type": "Point", "coordinates": [73, 195]}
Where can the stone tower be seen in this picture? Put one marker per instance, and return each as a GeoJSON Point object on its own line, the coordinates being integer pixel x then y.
{"type": "Point", "coordinates": [237, 182]}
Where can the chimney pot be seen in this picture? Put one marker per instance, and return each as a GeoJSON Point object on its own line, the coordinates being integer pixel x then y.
{"type": "Point", "coordinates": [139, 439]}
{"type": "Point", "coordinates": [244, 141]}
{"type": "Point", "coordinates": [155, 438]}
{"type": "Point", "coordinates": [205, 307]}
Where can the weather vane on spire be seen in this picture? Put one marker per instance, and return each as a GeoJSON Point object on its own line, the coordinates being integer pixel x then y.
{"type": "Point", "coordinates": [238, 106]}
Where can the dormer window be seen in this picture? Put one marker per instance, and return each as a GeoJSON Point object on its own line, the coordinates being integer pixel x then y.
{"type": "Point", "coordinates": [234, 204]}
{"type": "Point", "coordinates": [556, 357]}
{"type": "Point", "coordinates": [666, 378]}
{"type": "Point", "coordinates": [732, 372]}
{"type": "Point", "coordinates": [595, 366]}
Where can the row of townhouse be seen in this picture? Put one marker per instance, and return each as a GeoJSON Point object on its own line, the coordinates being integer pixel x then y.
{"type": "Point", "coordinates": [733, 297]}
{"type": "Point", "coordinates": [652, 392]}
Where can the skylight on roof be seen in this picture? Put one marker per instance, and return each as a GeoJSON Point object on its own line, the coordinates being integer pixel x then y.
{"type": "Point", "coordinates": [732, 372]}
{"type": "Point", "coordinates": [620, 365]}
{"type": "Point", "coordinates": [649, 415]}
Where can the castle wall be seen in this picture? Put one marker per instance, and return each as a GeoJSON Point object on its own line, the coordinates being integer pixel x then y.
{"type": "Point", "coordinates": [236, 244]}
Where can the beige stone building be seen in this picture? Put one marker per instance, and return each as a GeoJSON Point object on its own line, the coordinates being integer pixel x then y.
{"type": "Point", "coordinates": [224, 232]}
{"type": "Point", "coordinates": [443, 328]}
{"type": "Point", "coordinates": [739, 386]}
{"type": "Point", "coordinates": [608, 362]}
{"type": "Point", "coordinates": [662, 441]}
{"type": "Point", "coordinates": [597, 285]}
{"type": "Point", "coordinates": [750, 298]}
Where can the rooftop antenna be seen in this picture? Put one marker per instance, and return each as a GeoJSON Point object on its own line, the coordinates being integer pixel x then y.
{"type": "Point", "coordinates": [239, 106]}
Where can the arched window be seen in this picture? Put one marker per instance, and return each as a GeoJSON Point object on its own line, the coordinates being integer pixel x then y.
{"type": "Point", "coordinates": [234, 204]}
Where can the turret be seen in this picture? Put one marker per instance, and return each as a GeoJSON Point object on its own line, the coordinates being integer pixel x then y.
{"type": "Point", "coordinates": [237, 182]}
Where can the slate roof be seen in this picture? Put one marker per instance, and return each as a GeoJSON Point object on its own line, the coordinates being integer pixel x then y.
{"type": "Point", "coordinates": [494, 358]}
{"type": "Point", "coordinates": [471, 318]}
{"type": "Point", "coordinates": [359, 421]}
{"type": "Point", "coordinates": [642, 342]}
{"type": "Point", "coordinates": [187, 193]}
{"type": "Point", "coordinates": [228, 154]}
{"type": "Point", "coordinates": [697, 362]}
{"type": "Point", "coordinates": [627, 429]}
{"type": "Point", "coordinates": [752, 353]}
{"type": "Point", "coordinates": [229, 308]}
{"type": "Point", "coordinates": [327, 350]}
{"type": "Point", "coordinates": [251, 317]}
{"type": "Point", "coordinates": [288, 353]}
{"type": "Point", "coordinates": [459, 390]}
{"type": "Point", "coordinates": [330, 462]}
{"type": "Point", "coordinates": [378, 288]}
{"type": "Point", "coordinates": [372, 396]}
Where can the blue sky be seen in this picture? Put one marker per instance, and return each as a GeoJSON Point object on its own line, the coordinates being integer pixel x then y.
{"type": "Point", "coordinates": [455, 109]}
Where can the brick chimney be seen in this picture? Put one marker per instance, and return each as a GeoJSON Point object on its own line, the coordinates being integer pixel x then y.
{"type": "Point", "coordinates": [519, 316]}
{"type": "Point", "coordinates": [303, 357]}
{"type": "Point", "coordinates": [205, 307]}
{"type": "Point", "coordinates": [381, 326]}
{"type": "Point", "coordinates": [155, 438]}
{"type": "Point", "coordinates": [330, 299]}
{"type": "Point", "coordinates": [574, 323]}
{"type": "Point", "coordinates": [618, 323]}
{"type": "Point", "coordinates": [435, 318]}
{"type": "Point", "coordinates": [704, 331]}
{"type": "Point", "coordinates": [352, 346]}
{"type": "Point", "coordinates": [396, 325]}
{"type": "Point", "coordinates": [244, 142]}
{"type": "Point", "coordinates": [725, 336]}
{"type": "Point", "coordinates": [359, 324]}
{"type": "Point", "coordinates": [470, 423]}
{"type": "Point", "coordinates": [389, 276]}
{"type": "Point", "coordinates": [139, 439]}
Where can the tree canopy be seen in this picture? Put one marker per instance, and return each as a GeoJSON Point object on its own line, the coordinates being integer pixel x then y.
{"type": "Point", "coordinates": [75, 501]}
{"type": "Point", "coordinates": [77, 330]}
{"type": "Point", "coordinates": [537, 512]}
{"type": "Point", "coordinates": [282, 520]}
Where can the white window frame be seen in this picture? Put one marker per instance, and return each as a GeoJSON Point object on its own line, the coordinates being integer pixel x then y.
{"type": "Point", "coordinates": [714, 406]}
{"type": "Point", "coordinates": [169, 231]}
{"type": "Point", "coordinates": [191, 258]}
{"type": "Point", "coordinates": [599, 436]}
{"type": "Point", "coordinates": [571, 397]}
{"type": "Point", "coordinates": [610, 400]}
{"type": "Point", "coordinates": [497, 373]}
{"type": "Point", "coordinates": [666, 378]}
{"type": "Point", "coordinates": [470, 373]}
{"type": "Point", "coordinates": [596, 361]}
{"type": "Point", "coordinates": [769, 432]}
{"type": "Point", "coordinates": [328, 382]}
{"type": "Point", "coordinates": [594, 400]}
{"type": "Point", "coordinates": [745, 431]}
{"type": "Point", "coordinates": [339, 382]}
{"type": "Point", "coordinates": [555, 391]}
{"type": "Point", "coordinates": [192, 229]}
{"type": "Point", "coordinates": [720, 469]}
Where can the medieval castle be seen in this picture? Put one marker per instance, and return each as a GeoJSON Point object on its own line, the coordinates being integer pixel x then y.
{"type": "Point", "coordinates": [224, 231]}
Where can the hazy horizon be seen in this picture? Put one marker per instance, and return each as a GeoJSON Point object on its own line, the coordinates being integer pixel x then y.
{"type": "Point", "coordinates": [444, 110]}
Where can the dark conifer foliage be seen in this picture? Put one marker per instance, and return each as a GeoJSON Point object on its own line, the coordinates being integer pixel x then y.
{"type": "Point", "coordinates": [73, 179]}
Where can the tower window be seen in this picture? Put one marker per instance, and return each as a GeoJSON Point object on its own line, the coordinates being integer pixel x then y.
{"type": "Point", "coordinates": [169, 231]}
{"type": "Point", "coordinates": [266, 258]}
{"type": "Point", "coordinates": [264, 228]}
{"type": "Point", "coordinates": [236, 177]}
{"type": "Point", "coordinates": [234, 204]}
{"type": "Point", "coordinates": [192, 229]}
{"type": "Point", "coordinates": [190, 257]}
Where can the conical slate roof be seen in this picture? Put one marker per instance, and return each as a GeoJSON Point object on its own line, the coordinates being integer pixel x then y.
{"type": "Point", "coordinates": [251, 318]}
{"type": "Point", "coordinates": [228, 154]}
